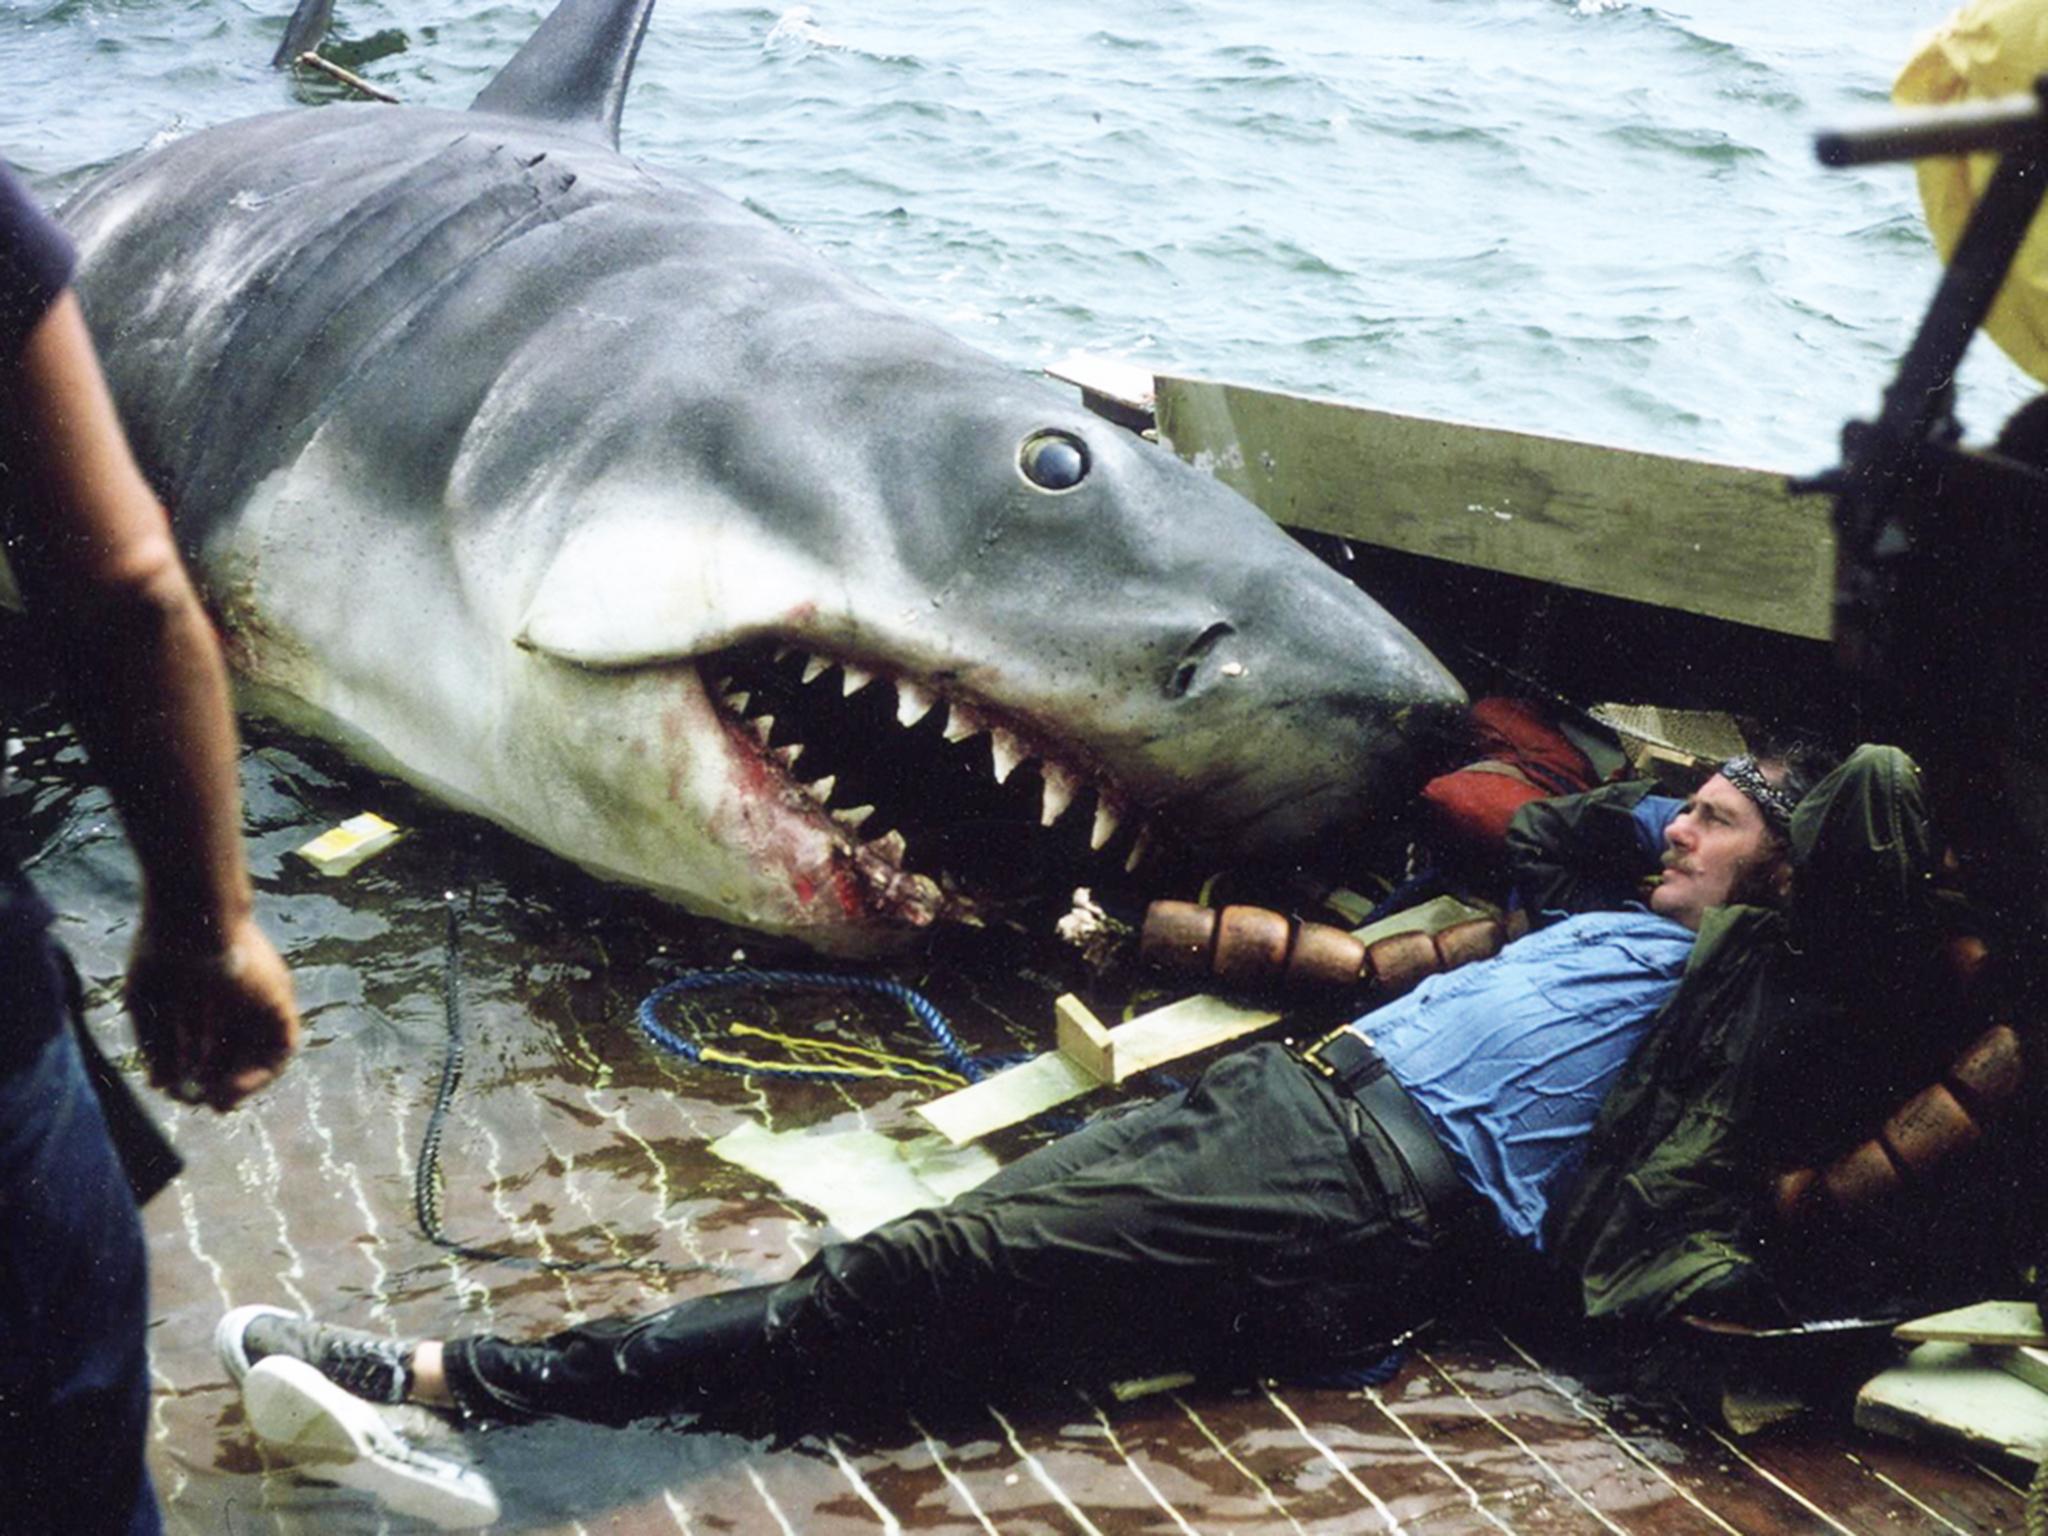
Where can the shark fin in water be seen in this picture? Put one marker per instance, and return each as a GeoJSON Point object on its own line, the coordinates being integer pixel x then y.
{"type": "Point", "coordinates": [304, 31]}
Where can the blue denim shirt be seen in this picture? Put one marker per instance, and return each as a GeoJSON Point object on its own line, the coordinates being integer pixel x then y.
{"type": "Point", "coordinates": [1511, 1058]}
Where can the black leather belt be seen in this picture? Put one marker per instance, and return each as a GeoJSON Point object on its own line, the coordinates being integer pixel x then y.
{"type": "Point", "coordinates": [1357, 1071]}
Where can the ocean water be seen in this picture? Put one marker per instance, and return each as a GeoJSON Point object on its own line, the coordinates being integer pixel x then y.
{"type": "Point", "coordinates": [1600, 218]}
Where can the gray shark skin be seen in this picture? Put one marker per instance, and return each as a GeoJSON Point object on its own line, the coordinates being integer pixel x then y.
{"type": "Point", "coordinates": [543, 479]}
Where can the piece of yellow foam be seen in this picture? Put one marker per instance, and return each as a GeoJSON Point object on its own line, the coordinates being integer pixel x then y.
{"type": "Point", "coordinates": [340, 849]}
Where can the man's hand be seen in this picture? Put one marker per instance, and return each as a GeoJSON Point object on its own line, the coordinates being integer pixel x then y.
{"type": "Point", "coordinates": [216, 1026]}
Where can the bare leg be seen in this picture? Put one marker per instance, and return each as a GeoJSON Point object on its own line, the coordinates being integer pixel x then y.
{"type": "Point", "coordinates": [429, 1381]}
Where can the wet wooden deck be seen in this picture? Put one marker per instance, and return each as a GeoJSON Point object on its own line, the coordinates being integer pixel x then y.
{"type": "Point", "coordinates": [570, 1137]}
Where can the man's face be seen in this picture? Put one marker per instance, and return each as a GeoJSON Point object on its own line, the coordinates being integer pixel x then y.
{"type": "Point", "coordinates": [1717, 850]}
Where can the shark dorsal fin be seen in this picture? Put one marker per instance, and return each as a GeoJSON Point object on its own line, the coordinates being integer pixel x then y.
{"type": "Point", "coordinates": [304, 31]}
{"type": "Point", "coordinates": [574, 69]}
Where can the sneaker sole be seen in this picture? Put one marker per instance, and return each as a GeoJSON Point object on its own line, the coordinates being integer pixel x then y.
{"type": "Point", "coordinates": [332, 1434]}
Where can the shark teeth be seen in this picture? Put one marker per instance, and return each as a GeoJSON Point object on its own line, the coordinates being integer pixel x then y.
{"type": "Point", "coordinates": [962, 722]}
{"type": "Point", "coordinates": [1006, 752]}
{"type": "Point", "coordinates": [1140, 846]}
{"type": "Point", "coordinates": [1060, 787]}
{"type": "Point", "coordinates": [913, 702]}
{"type": "Point", "coordinates": [1107, 818]}
{"type": "Point", "coordinates": [756, 692]}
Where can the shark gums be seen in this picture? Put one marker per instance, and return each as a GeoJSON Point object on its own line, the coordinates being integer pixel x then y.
{"type": "Point", "coordinates": [584, 498]}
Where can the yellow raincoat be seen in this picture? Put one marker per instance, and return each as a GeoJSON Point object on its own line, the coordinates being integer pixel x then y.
{"type": "Point", "coordinates": [1989, 48]}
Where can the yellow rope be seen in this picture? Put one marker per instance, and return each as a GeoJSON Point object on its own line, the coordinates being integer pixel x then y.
{"type": "Point", "coordinates": [2037, 1502]}
{"type": "Point", "coordinates": [801, 1043]}
{"type": "Point", "coordinates": [837, 1056]}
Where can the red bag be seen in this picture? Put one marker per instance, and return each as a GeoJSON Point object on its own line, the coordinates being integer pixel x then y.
{"type": "Point", "coordinates": [1524, 757]}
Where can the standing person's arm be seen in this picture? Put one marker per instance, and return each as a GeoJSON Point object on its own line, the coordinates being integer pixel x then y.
{"type": "Point", "coordinates": [143, 680]}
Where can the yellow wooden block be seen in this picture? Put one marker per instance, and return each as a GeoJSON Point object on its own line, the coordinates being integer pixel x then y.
{"type": "Point", "coordinates": [1179, 1030]}
{"type": "Point", "coordinates": [1084, 1039]}
{"type": "Point", "coordinates": [340, 849]}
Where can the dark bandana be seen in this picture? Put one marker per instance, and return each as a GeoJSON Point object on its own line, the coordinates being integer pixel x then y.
{"type": "Point", "coordinates": [1773, 802]}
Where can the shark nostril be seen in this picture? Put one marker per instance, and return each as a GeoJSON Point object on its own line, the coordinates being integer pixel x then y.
{"type": "Point", "coordinates": [1191, 659]}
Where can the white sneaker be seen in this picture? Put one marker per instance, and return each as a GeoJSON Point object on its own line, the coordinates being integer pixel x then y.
{"type": "Point", "coordinates": [332, 1434]}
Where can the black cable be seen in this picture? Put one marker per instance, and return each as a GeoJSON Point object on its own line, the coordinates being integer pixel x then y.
{"type": "Point", "coordinates": [426, 1178]}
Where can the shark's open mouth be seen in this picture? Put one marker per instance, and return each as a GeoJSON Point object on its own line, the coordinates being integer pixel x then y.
{"type": "Point", "coordinates": [929, 781]}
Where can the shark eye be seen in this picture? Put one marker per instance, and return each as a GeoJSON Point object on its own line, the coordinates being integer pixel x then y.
{"type": "Point", "coordinates": [1053, 461]}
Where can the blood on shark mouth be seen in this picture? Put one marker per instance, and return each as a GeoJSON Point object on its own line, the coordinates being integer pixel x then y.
{"type": "Point", "coordinates": [929, 782]}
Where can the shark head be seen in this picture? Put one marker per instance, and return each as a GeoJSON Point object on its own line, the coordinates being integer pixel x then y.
{"type": "Point", "coordinates": [984, 638]}
{"type": "Point", "coordinates": [594, 502]}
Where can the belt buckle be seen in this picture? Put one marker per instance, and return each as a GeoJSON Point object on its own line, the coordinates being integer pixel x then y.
{"type": "Point", "coordinates": [1312, 1054]}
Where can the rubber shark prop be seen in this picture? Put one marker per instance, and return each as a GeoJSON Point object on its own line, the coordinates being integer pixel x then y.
{"type": "Point", "coordinates": [588, 500]}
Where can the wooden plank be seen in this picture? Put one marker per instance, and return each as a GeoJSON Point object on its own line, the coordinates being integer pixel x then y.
{"type": "Point", "coordinates": [1707, 538]}
{"type": "Point", "coordinates": [1675, 1453]}
{"type": "Point", "coordinates": [1951, 1391]}
{"type": "Point", "coordinates": [1847, 1488]}
{"type": "Point", "coordinates": [1596, 1473]}
{"type": "Point", "coordinates": [1432, 916]}
{"type": "Point", "coordinates": [1960, 1497]}
{"type": "Point", "coordinates": [1008, 1097]}
{"type": "Point", "coordinates": [1988, 1322]}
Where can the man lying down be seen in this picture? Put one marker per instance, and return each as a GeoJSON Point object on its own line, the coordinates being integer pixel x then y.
{"type": "Point", "coordinates": [1717, 990]}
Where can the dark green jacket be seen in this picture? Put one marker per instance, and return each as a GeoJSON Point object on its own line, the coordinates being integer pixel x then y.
{"type": "Point", "coordinates": [1791, 1035]}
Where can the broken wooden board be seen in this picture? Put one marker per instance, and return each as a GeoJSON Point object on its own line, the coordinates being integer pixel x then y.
{"type": "Point", "coordinates": [1105, 1057]}
{"type": "Point", "coordinates": [1988, 1322]}
{"type": "Point", "coordinates": [1953, 1392]}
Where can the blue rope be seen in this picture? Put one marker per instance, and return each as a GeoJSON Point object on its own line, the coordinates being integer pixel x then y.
{"type": "Point", "coordinates": [1374, 1373]}
{"type": "Point", "coordinates": [715, 980]}
{"type": "Point", "coordinates": [1410, 891]}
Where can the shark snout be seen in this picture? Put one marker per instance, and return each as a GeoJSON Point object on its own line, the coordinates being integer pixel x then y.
{"type": "Point", "coordinates": [1299, 710]}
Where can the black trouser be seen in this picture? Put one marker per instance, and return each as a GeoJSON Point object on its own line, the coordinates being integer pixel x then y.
{"type": "Point", "coordinates": [1246, 1223]}
{"type": "Point", "coordinates": [74, 1288]}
